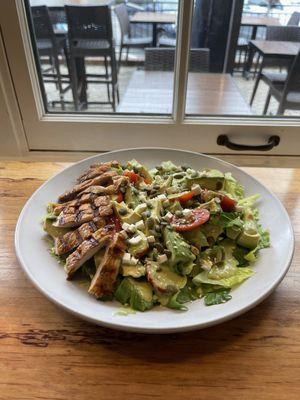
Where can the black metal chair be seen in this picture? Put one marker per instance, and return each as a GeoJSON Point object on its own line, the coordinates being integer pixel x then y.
{"type": "Point", "coordinates": [90, 35]}
{"type": "Point", "coordinates": [281, 33]}
{"type": "Point", "coordinates": [48, 45]}
{"type": "Point", "coordinates": [163, 59]}
{"type": "Point", "coordinates": [294, 19]}
{"type": "Point", "coordinates": [127, 39]}
{"type": "Point", "coordinates": [288, 93]}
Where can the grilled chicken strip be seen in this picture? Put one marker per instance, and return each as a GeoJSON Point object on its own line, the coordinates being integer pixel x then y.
{"type": "Point", "coordinates": [73, 239]}
{"type": "Point", "coordinates": [104, 179]}
{"type": "Point", "coordinates": [87, 249]}
{"type": "Point", "coordinates": [96, 170]}
{"type": "Point", "coordinates": [76, 216]}
{"type": "Point", "coordinates": [86, 198]}
{"type": "Point", "coordinates": [105, 277]}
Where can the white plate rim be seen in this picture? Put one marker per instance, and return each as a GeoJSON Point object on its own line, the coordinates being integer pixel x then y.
{"type": "Point", "coordinates": [131, 328]}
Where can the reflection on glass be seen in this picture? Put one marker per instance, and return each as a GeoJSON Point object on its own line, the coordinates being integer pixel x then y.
{"type": "Point", "coordinates": [247, 59]}
{"type": "Point", "coordinates": [102, 57]}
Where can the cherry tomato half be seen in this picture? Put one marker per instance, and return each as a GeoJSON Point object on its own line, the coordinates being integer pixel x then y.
{"type": "Point", "coordinates": [119, 197]}
{"type": "Point", "coordinates": [133, 177]}
{"type": "Point", "coordinates": [185, 197]}
{"type": "Point", "coordinates": [228, 204]}
{"type": "Point", "coordinates": [197, 217]}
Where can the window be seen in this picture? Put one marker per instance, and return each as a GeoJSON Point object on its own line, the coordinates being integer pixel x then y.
{"type": "Point", "coordinates": [184, 82]}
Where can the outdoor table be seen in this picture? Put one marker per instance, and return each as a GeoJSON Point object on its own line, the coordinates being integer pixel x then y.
{"type": "Point", "coordinates": [154, 18]}
{"type": "Point", "coordinates": [271, 49]}
{"type": "Point", "coordinates": [258, 22]}
{"type": "Point", "coordinates": [208, 93]}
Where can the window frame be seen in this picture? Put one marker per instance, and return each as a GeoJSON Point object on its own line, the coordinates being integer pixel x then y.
{"type": "Point", "coordinates": [64, 132]}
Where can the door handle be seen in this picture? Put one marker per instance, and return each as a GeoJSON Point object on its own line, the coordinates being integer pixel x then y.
{"type": "Point", "coordinates": [273, 141]}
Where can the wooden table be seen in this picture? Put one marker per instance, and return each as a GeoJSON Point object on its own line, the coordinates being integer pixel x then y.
{"type": "Point", "coordinates": [258, 22]}
{"type": "Point", "coordinates": [271, 49]}
{"type": "Point", "coordinates": [152, 92]}
{"type": "Point", "coordinates": [46, 353]}
{"type": "Point", "coordinates": [154, 18]}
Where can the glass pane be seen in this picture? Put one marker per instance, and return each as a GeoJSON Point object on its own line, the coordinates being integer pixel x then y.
{"type": "Point", "coordinates": [95, 56]}
{"type": "Point", "coordinates": [244, 58]}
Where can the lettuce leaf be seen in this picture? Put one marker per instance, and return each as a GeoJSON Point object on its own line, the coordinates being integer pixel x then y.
{"type": "Point", "coordinates": [218, 297]}
{"type": "Point", "coordinates": [238, 277]}
{"type": "Point", "coordinates": [232, 187]}
{"type": "Point", "coordinates": [264, 238]}
{"type": "Point", "coordinates": [248, 202]}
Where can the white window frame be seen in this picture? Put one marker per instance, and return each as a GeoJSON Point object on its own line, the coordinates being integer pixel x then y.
{"type": "Point", "coordinates": [86, 132]}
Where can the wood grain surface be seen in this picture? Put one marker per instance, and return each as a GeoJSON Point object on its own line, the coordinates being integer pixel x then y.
{"type": "Point", "coordinates": [46, 353]}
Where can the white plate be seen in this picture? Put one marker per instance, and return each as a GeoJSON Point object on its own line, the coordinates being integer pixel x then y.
{"type": "Point", "coordinates": [49, 277]}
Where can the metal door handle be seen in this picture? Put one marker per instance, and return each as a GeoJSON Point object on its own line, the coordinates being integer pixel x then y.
{"type": "Point", "coordinates": [223, 140]}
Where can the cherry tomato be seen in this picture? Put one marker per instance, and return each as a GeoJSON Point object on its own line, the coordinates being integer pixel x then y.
{"type": "Point", "coordinates": [185, 197]}
{"type": "Point", "coordinates": [228, 204]}
{"type": "Point", "coordinates": [134, 178]}
{"type": "Point", "coordinates": [197, 217]}
{"type": "Point", "coordinates": [119, 197]}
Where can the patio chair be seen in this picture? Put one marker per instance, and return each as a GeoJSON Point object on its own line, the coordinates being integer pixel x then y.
{"type": "Point", "coordinates": [127, 40]}
{"type": "Point", "coordinates": [48, 45]}
{"type": "Point", "coordinates": [90, 35]}
{"type": "Point", "coordinates": [281, 33]}
{"type": "Point", "coordinates": [163, 59]}
{"type": "Point", "coordinates": [288, 93]}
{"type": "Point", "coordinates": [295, 19]}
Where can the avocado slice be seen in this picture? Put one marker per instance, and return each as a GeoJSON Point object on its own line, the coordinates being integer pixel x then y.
{"type": "Point", "coordinates": [181, 255]}
{"type": "Point", "coordinates": [129, 216]}
{"type": "Point", "coordinates": [196, 237]}
{"type": "Point", "coordinates": [156, 208]}
{"type": "Point", "coordinates": [54, 231]}
{"type": "Point", "coordinates": [139, 295]}
{"type": "Point", "coordinates": [139, 249]}
{"type": "Point", "coordinates": [136, 271]}
{"type": "Point", "coordinates": [131, 197]}
{"type": "Point", "coordinates": [233, 232]}
{"type": "Point", "coordinates": [211, 230]}
{"type": "Point", "coordinates": [249, 239]}
{"type": "Point", "coordinates": [210, 179]}
{"type": "Point", "coordinates": [164, 279]}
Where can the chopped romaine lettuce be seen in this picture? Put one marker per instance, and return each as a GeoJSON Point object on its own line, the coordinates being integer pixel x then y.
{"type": "Point", "coordinates": [217, 297]}
{"type": "Point", "coordinates": [232, 187]}
{"type": "Point", "coordinates": [238, 277]}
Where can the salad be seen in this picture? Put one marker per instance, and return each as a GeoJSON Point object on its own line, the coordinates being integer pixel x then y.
{"type": "Point", "coordinates": [165, 236]}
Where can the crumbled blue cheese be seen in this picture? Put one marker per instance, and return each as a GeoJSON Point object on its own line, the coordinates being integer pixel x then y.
{"type": "Point", "coordinates": [140, 208]}
{"type": "Point", "coordinates": [169, 216]}
{"type": "Point", "coordinates": [162, 258]}
{"type": "Point", "coordinates": [140, 225]}
{"type": "Point", "coordinates": [186, 212]}
{"type": "Point", "coordinates": [135, 239]}
{"type": "Point", "coordinates": [130, 228]}
{"type": "Point", "coordinates": [196, 189]}
{"type": "Point", "coordinates": [151, 239]}
{"type": "Point", "coordinates": [126, 258]}
{"type": "Point", "coordinates": [161, 197]}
